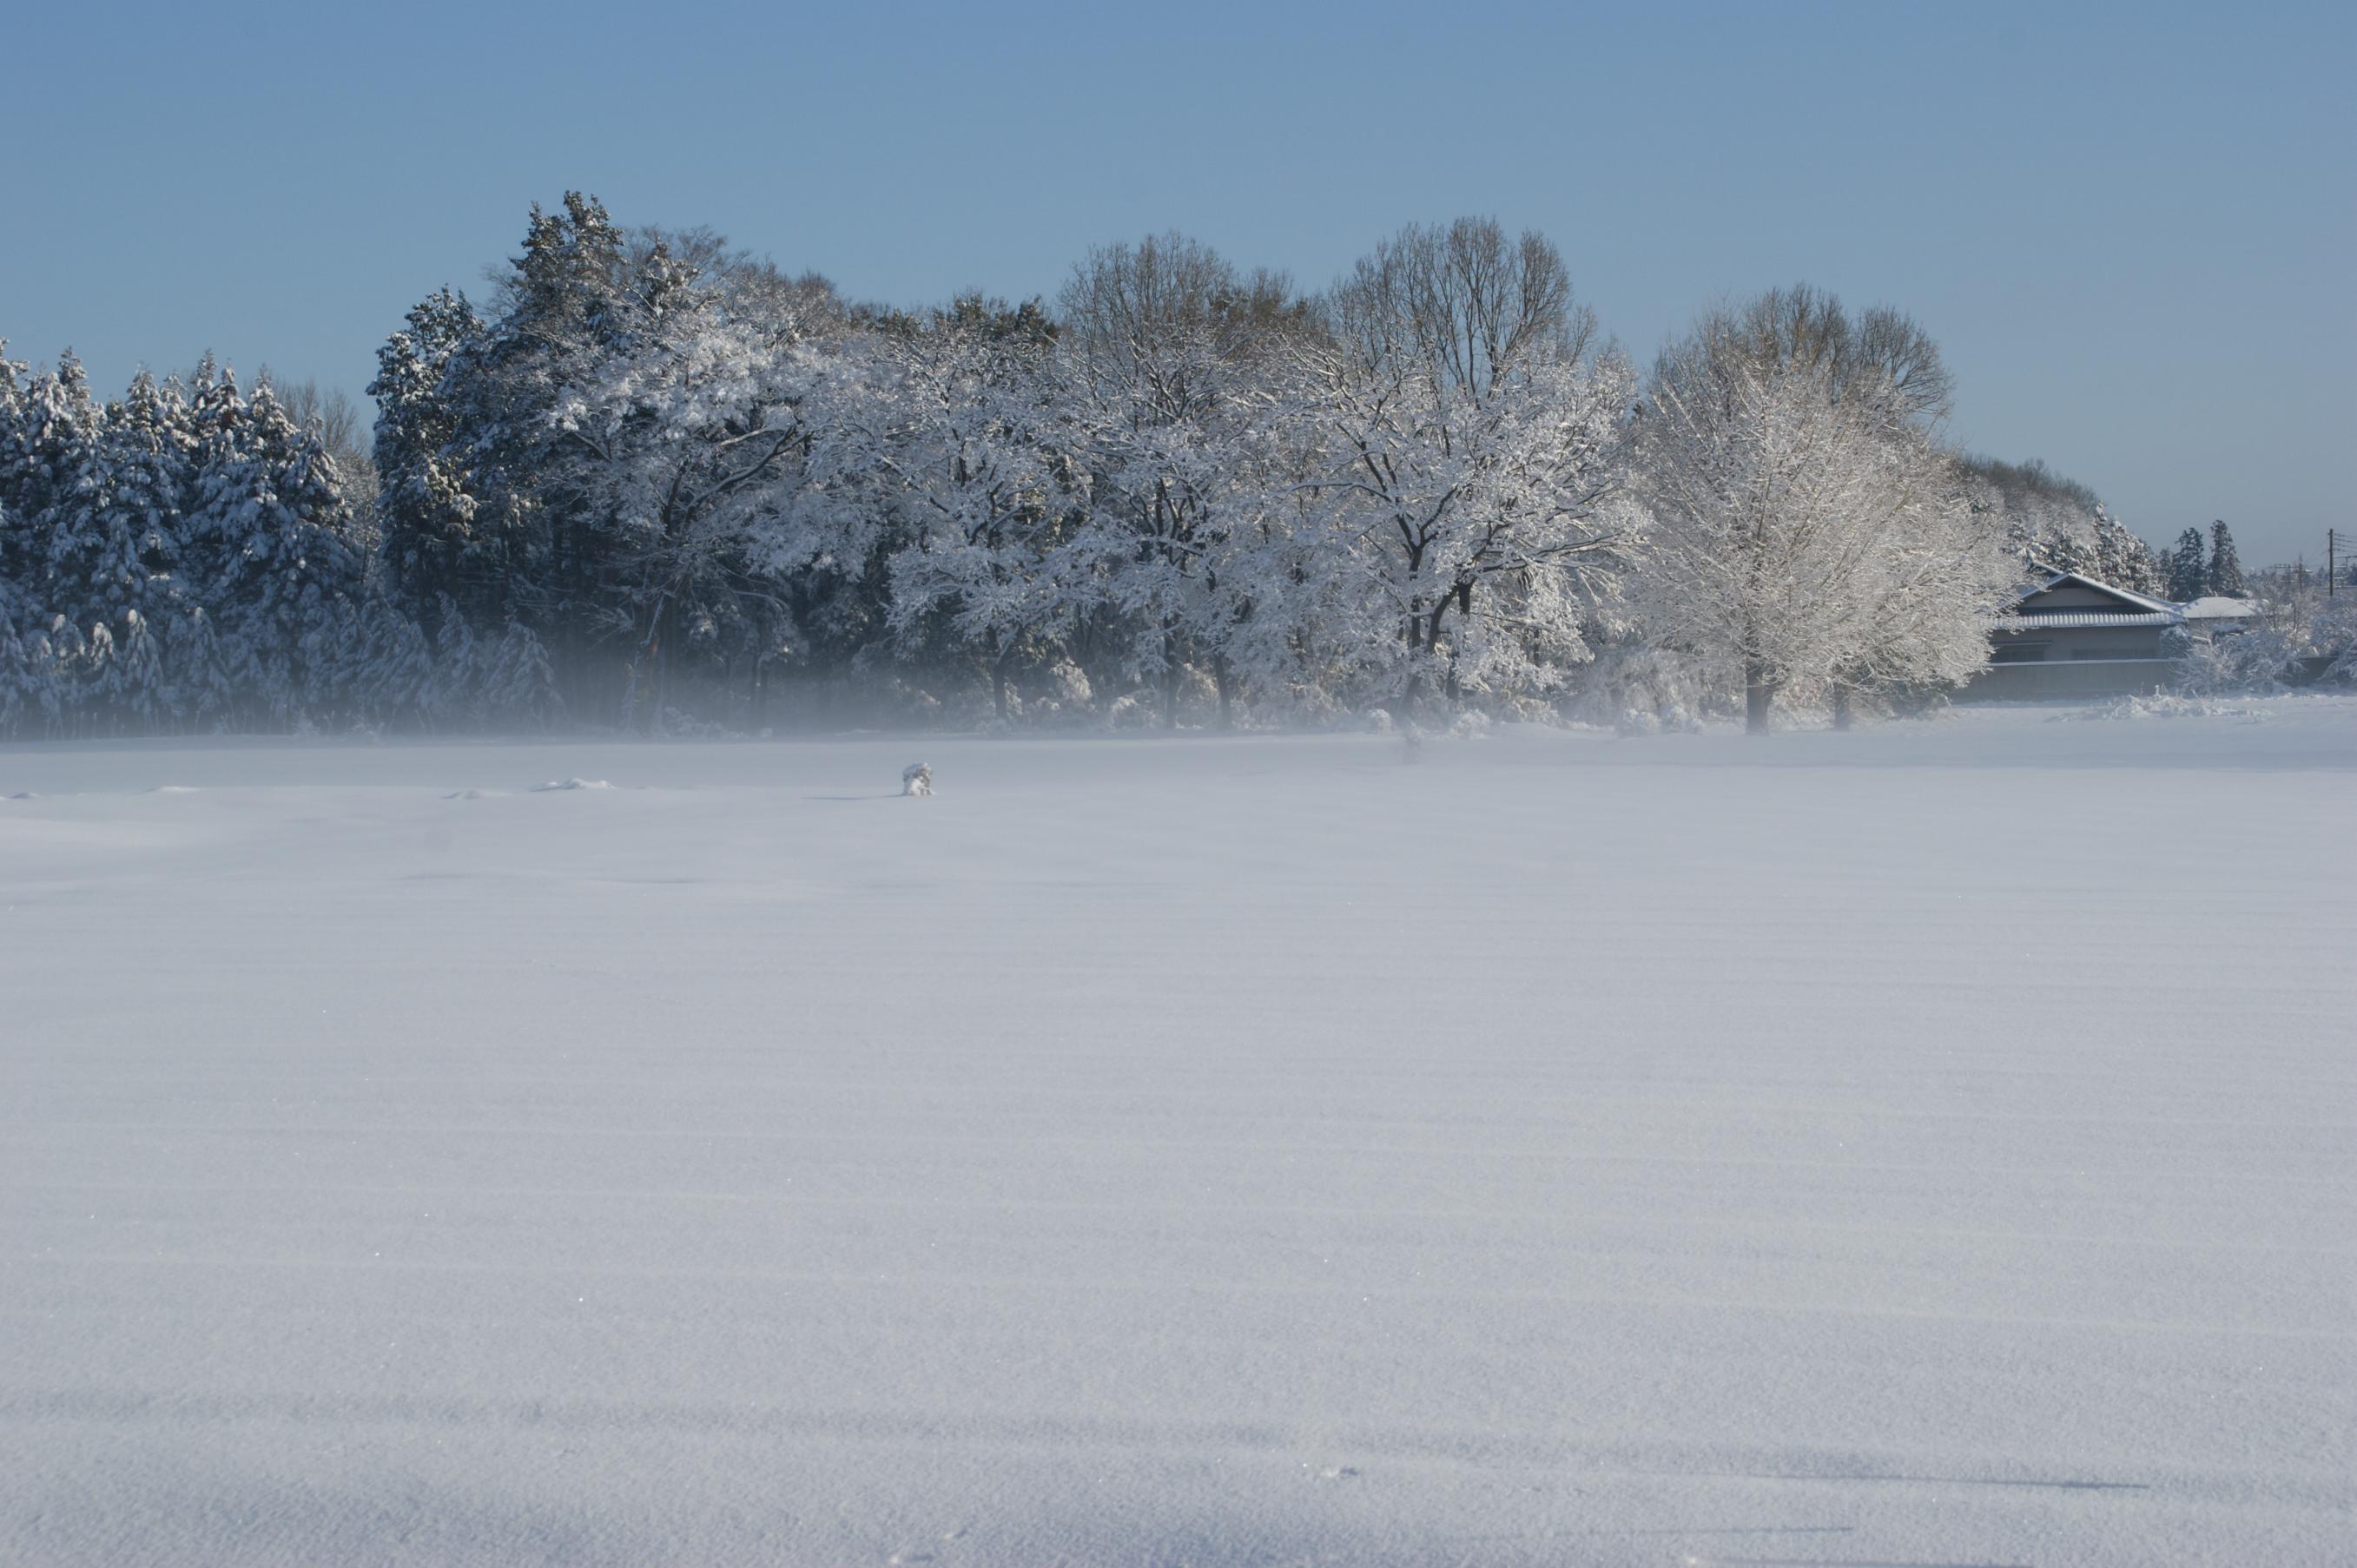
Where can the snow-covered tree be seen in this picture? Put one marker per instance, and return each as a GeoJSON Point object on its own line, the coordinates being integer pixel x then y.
{"type": "Point", "coordinates": [596, 457]}
{"type": "Point", "coordinates": [1472, 430]}
{"type": "Point", "coordinates": [47, 469]}
{"type": "Point", "coordinates": [529, 543]}
{"type": "Point", "coordinates": [515, 683]}
{"type": "Point", "coordinates": [651, 474]}
{"type": "Point", "coordinates": [135, 689]}
{"type": "Point", "coordinates": [31, 698]}
{"type": "Point", "coordinates": [426, 499]}
{"type": "Point", "coordinates": [2225, 574]}
{"type": "Point", "coordinates": [1808, 537]}
{"type": "Point", "coordinates": [113, 549]}
{"type": "Point", "coordinates": [203, 685]}
{"type": "Point", "coordinates": [980, 467]}
{"type": "Point", "coordinates": [266, 553]}
{"type": "Point", "coordinates": [1171, 353]}
{"type": "Point", "coordinates": [2188, 573]}
{"type": "Point", "coordinates": [673, 446]}
{"type": "Point", "coordinates": [2050, 520]}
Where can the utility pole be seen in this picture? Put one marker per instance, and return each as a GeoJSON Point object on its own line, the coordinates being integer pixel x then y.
{"type": "Point", "coordinates": [2331, 566]}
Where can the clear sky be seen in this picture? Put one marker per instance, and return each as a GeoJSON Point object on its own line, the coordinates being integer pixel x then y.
{"type": "Point", "coordinates": [2133, 229]}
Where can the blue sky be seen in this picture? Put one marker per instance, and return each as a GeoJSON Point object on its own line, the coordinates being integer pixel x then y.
{"type": "Point", "coordinates": [2133, 229]}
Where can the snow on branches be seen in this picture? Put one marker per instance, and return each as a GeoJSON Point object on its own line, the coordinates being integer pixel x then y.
{"type": "Point", "coordinates": [1811, 535]}
{"type": "Point", "coordinates": [651, 480]}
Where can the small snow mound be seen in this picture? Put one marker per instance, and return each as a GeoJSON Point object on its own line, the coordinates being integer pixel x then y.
{"type": "Point", "coordinates": [24, 795]}
{"type": "Point", "coordinates": [2167, 707]}
{"type": "Point", "coordinates": [466, 795]}
{"type": "Point", "coordinates": [570, 784]}
{"type": "Point", "coordinates": [1378, 720]}
{"type": "Point", "coordinates": [173, 789]}
{"type": "Point", "coordinates": [917, 778]}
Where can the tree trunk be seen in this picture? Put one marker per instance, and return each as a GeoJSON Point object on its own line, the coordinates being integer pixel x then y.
{"type": "Point", "coordinates": [1463, 596]}
{"type": "Point", "coordinates": [1841, 706]}
{"type": "Point", "coordinates": [1225, 680]}
{"type": "Point", "coordinates": [1170, 673]}
{"type": "Point", "coordinates": [1759, 693]}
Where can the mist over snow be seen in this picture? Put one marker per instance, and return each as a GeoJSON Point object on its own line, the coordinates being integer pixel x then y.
{"type": "Point", "coordinates": [1925, 1144]}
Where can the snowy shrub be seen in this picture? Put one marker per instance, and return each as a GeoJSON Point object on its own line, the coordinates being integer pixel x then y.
{"type": "Point", "coordinates": [1640, 690]}
{"type": "Point", "coordinates": [679, 724]}
{"type": "Point", "coordinates": [2249, 661]}
{"type": "Point", "coordinates": [1671, 720]}
{"type": "Point", "coordinates": [2165, 707]}
{"type": "Point", "coordinates": [514, 682]}
{"type": "Point", "coordinates": [1059, 684]}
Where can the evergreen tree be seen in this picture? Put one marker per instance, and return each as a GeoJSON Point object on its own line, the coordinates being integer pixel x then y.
{"type": "Point", "coordinates": [2189, 572]}
{"type": "Point", "coordinates": [17, 503]}
{"type": "Point", "coordinates": [202, 694]}
{"type": "Point", "coordinates": [46, 469]}
{"type": "Point", "coordinates": [2122, 558]}
{"type": "Point", "coordinates": [534, 530]}
{"type": "Point", "coordinates": [270, 555]}
{"type": "Point", "coordinates": [29, 702]}
{"type": "Point", "coordinates": [426, 506]}
{"type": "Point", "coordinates": [518, 686]}
{"type": "Point", "coordinates": [71, 663]}
{"type": "Point", "coordinates": [457, 675]}
{"type": "Point", "coordinates": [134, 690]}
{"type": "Point", "coordinates": [112, 543]}
{"type": "Point", "coordinates": [385, 665]}
{"type": "Point", "coordinates": [2225, 577]}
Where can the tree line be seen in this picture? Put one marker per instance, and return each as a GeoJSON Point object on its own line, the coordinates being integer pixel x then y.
{"type": "Point", "coordinates": [650, 481]}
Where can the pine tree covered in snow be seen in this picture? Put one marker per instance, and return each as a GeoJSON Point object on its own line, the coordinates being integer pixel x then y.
{"type": "Point", "coordinates": [426, 506]}
{"type": "Point", "coordinates": [180, 558]}
{"type": "Point", "coordinates": [265, 552]}
{"type": "Point", "coordinates": [205, 695]}
{"type": "Point", "coordinates": [114, 550]}
{"type": "Point", "coordinates": [2225, 574]}
{"type": "Point", "coordinates": [2188, 573]}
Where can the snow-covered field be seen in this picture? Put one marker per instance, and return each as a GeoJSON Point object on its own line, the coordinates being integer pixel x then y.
{"type": "Point", "coordinates": [1926, 1145]}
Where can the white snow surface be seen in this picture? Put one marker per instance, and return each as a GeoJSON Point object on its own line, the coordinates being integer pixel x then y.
{"type": "Point", "coordinates": [1930, 1144]}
